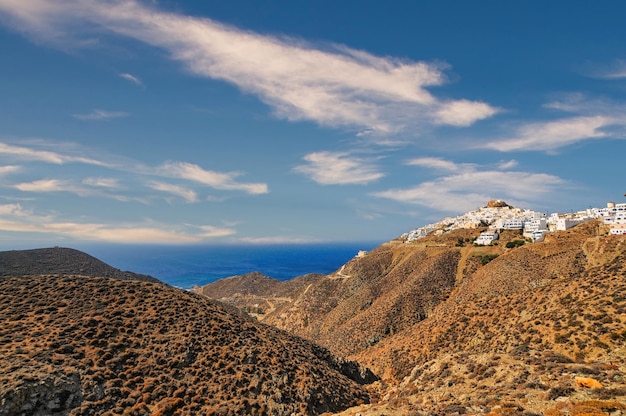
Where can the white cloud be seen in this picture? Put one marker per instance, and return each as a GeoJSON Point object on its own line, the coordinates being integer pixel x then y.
{"type": "Point", "coordinates": [337, 168]}
{"type": "Point", "coordinates": [464, 112]}
{"type": "Point", "coordinates": [438, 164]}
{"type": "Point", "coordinates": [186, 194]}
{"type": "Point", "coordinates": [100, 115]}
{"type": "Point", "coordinates": [469, 189]}
{"type": "Point", "coordinates": [131, 78]}
{"type": "Point", "coordinates": [615, 71]}
{"type": "Point", "coordinates": [14, 218]}
{"type": "Point", "coordinates": [277, 240]}
{"type": "Point", "coordinates": [45, 185]}
{"type": "Point", "coordinates": [552, 135]}
{"type": "Point", "coordinates": [331, 85]}
{"type": "Point", "coordinates": [178, 170]}
{"type": "Point", "coordinates": [209, 231]}
{"type": "Point", "coordinates": [5, 170]}
{"type": "Point", "coordinates": [27, 153]}
{"type": "Point", "coordinates": [507, 164]}
{"type": "Point", "coordinates": [217, 180]}
{"type": "Point", "coordinates": [110, 183]}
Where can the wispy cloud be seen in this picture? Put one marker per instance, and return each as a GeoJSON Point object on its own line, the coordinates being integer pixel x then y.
{"type": "Point", "coordinates": [97, 115]}
{"type": "Point", "coordinates": [46, 185]}
{"type": "Point", "coordinates": [471, 188]}
{"type": "Point", "coordinates": [131, 78]}
{"type": "Point", "coordinates": [507, 164]}
{"type": "Point", "coordinates": [616, 70]}
{"type": "Point", "coordinates": [292, 76]}
{"type": "Point", "coordinates": [110, 183]}
{"type": "Point", "coordinates": [179, 170]}
{"type": "Point", "coordinates": [5, 170]}
{"type": "Point", "coordinates": [31, 154]}
{"type": "Point", "coordinates": [436, 163]}
{"type": "Point", "coordinates": [13, 218]}
{"type": "Point", "coordinates": [176, 190]}
{"type": "Point", "coordinates": [553, 135]}
{"type": "Point", "coordinates": [217, 180]}
{"type": "Point", "coordinates": [337, 168]}
{"type": "Point", "coordinates": [277, 240]}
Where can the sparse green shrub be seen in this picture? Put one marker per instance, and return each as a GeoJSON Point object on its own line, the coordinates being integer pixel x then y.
{"type": "Point", "coordinates": [486, 258]}
{"type": "Point", "coordinates": [515, 243]}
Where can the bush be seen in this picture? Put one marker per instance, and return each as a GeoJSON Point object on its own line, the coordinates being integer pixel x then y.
{"type": "Point", "coordinates": [486, 258]}
{"type": "Point", "coordinates": [515, 243]}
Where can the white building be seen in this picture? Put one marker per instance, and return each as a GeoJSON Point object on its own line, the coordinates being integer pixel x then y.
{"type": "Point", "coordinates": [618, 229]}
{"type": "Point", "coordinates": [486, 238]}
{"type": "Point", "coordinates": [535, 225]}
{"type": "Point", "coordinates": [509, 224]}
{"type": "Point", "coordinates": [538, 236]}
{"type": "Point", "coordinates": [565, 223]}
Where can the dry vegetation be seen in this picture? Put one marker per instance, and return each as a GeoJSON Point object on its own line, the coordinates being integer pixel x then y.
{"type": "Point", "coordinates": [60, 260]}
{"type": "Point", "coordinates": [84, 346]}
{"type": "Point", "coordinates": [456, 329]}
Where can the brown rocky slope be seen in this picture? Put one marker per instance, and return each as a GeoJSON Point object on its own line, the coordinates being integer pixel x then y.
{"type": "Point", "coordinates": [87, 345]}
{"type": "Point", "coordinates": [60, 260]}
{"type": "Point", "coordinates": [459, 329]}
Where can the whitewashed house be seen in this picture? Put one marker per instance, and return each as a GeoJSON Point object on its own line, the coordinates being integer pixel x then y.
{"type": "Point", "coordinates": [509, 224]}
{"type": "Point", "coordinates": [486, 238]}
{"type": "Point", "coordinates": [618, 229]}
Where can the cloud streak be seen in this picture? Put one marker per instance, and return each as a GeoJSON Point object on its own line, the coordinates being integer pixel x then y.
{"type": "Point", "coordinates": [13, 218]}
{"type": "Point", "coordinates": [98, 115]}
{"type": "Point", "coordinates": [465, 189]}
{"type": "Point", "coordinates": [176, 190]}
{"type": "Point", "coordinates": [552, 135]}
{"type": "Point", "coordinates": [178, 170]}
{"type": "Point", "coordinates": [131, 78]}
{"type": "Point", "coordinates": [332, 85]}
{"type": "Point", "coordinates": [337, 168]}
{"type": "Point", "coordinates": [217, 180]}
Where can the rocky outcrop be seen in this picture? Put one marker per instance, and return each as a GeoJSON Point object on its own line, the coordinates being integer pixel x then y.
{"type": "Point", "coordinates": [38, 393]}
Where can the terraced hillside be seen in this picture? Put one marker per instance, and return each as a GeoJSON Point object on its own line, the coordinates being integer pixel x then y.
{"type": "Point", "coordinates": [90, 345]}
{"type": "Point", "coordinates": [458, 329]}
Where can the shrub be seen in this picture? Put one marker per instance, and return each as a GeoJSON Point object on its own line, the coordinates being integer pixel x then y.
{"type": "Point", "coordinates": [515, 243]}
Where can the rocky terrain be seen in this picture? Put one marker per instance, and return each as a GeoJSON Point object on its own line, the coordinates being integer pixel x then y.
{"type": "Point", "coordinates": [60, 260]}
{"type": "Point", "coordinates": [454, 328]}
{"type": "Point", "coordinates": [83, 345]}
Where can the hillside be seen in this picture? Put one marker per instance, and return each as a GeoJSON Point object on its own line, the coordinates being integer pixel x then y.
{"type": "Point", "coordinates": [91, 345]}
{"type": "Point", "coordinates": [60, 260]}
{"type": "Point", "coordinates": [454, 328]}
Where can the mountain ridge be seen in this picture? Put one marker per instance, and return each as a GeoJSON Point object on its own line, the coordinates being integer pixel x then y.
{"type": "Point", "coordinates": [453, 328]}
{"type": "Point", "coordinates": [60, 261]}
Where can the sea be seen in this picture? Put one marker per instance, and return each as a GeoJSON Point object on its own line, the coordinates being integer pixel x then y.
{"type": "Point", "coordinates": [189, 266]}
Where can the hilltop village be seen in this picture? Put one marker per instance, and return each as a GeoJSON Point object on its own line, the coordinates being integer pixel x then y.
{"type": "Point", "coordinates": [497, 215]}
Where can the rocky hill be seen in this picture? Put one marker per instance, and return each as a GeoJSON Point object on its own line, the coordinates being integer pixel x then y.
{"type": "Point", "coordinates": [91, 345]}
{"type": "Point", "coordinates": [454, 328]}
{"type": "Point", "coordinates": [60, 260]}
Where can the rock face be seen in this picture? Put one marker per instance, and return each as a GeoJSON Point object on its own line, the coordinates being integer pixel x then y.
{"type": "Point", "coordinates": [60, 260]}
{"type": "Point", "coordinates": [86, 345]}
{"type": "Point", "coordinates": [454, 328]}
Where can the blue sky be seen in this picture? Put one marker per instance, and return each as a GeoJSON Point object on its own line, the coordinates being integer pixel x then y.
{"type": "Point", "coordinates": [310, 121]}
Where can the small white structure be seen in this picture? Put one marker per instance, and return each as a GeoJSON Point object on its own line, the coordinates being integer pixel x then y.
{"type": "Point", "coordinates": [509, 224]}
{"type": "Point", "coordinates": [535, 225]}
{"type": "Point", "coordinates": [566, 223]}
{"type": "Point", "coordinates": [486, 238]}
{"type": "Point", "coordinates": [618, 229]}
{"type": "Point", "coordinates": [539, 235]}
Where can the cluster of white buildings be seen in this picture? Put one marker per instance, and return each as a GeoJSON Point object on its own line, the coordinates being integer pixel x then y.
{"type": "Point", "coordinates": [534, 225]}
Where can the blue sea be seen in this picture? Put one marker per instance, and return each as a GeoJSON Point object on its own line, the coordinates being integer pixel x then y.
{"type": "Point", "coordinates": [188, 266]}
